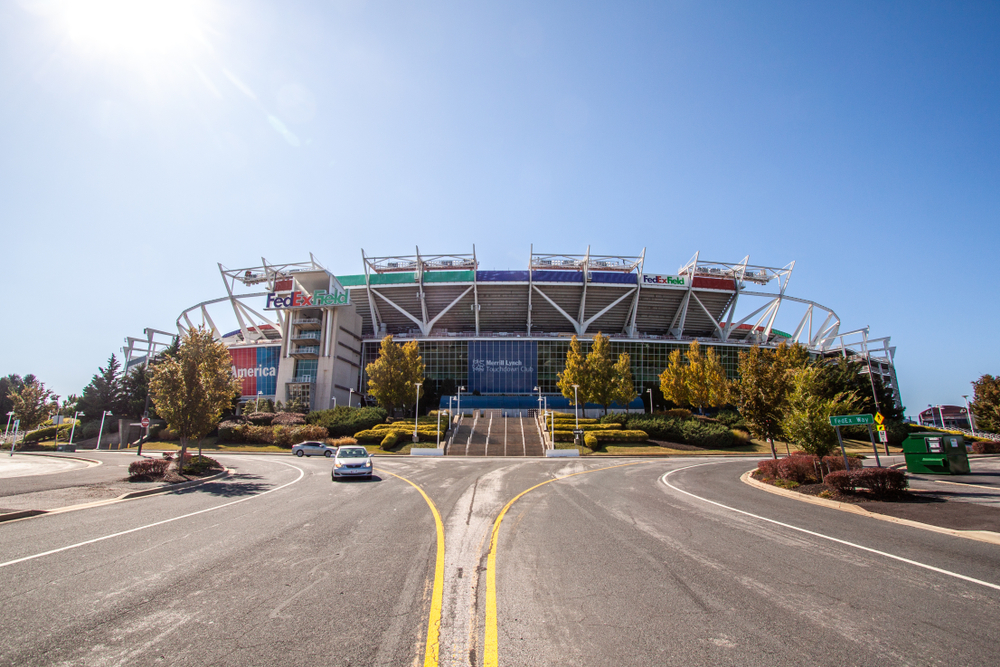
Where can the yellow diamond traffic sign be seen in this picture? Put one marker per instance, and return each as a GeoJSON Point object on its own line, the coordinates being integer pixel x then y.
{"type": "Point", "coordinates": [879, 418]}
{"type": "Point", "coordinates": [880, 427]}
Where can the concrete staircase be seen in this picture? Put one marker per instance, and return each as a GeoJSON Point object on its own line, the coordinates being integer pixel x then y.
{"type": "Point", "coordinates": [493, 434]}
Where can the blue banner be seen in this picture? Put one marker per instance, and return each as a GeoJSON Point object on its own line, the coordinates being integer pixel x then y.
{"type": "Point", "coordinates": [503, 366]}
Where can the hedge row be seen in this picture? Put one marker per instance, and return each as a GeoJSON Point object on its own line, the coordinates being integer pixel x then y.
{"type": "Point", "coordinates": [373, 435]}
{"type": "Point", "coordinates": [594, 439]}
{"type": "Point", "coordinates": [564, 417]}
{"type": "Point", "coordinates": [344, 421]}
{"type": "Point", "coordinates": [986, 447]}
{"type": "Point", "coordinates": [804, 468]}
{"type": "Point", "coordinates": [709, 435]}
{"type": "Point", "coordinates": [283, 436]}
{"type": "Point", "coordinates": [422, 424]}
{"type": "Point", "coordinates": [881, 482]}
{"type": "Point", "coordinates": [47, 432]}
{"type": "Point", "coordinates": [589, 427]}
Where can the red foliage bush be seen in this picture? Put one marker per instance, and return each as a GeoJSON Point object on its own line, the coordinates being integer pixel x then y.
{"type": "Point", "coordinates": [288, 419]}
{"type": "Point", "coordinates": [801, 469]}
{"type": "Point", "coordinates": [987, 447]}
{"type": "Point", "coordinates": [768, 468]}
{"type": "Point", "coordinates": [833, 463]}
{"type": "Point", "coordinates": [881, 482]}
{"type": "Point", "coordinates": [148, 468]}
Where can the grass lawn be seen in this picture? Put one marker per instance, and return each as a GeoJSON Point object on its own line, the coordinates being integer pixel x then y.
{"type": "Point", "coordinates": [758, 447]}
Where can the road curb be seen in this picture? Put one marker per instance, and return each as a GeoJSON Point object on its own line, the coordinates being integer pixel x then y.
{"type": "Point", "coordinates": [27, 514]}
{"type": "Point", "coordinates": [987, 536]}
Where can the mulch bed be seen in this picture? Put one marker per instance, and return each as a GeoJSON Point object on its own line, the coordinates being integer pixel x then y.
{"type": "Point", "coordinates": [929, 508]}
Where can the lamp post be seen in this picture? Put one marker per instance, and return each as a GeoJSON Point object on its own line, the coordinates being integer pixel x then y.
{"type": "Point", "coordinates": [72, 429]}
{"type": "Point", "coordinates": [416, 412]}
{"type": "Point", "coordinates": [100, 431]}
{"type": "Point", "coordinates": [334, 399]}
{"type": "Point", "coordinates": [968, 413]}
{"type": "Point", "coordinates": [576, 406]}
{"type": "Point", "coordinates": [10, 415]}
{"type": "Point", "coordinates": [439, 429]}
{"type": "Point", "coordinates": [650, 392]}
{"type": "Point", "coordinates": [459, 409]}
{"type": "Point", "coordinates": [350, 395]}
{"type": "Point", "coordinates": [257, 407]}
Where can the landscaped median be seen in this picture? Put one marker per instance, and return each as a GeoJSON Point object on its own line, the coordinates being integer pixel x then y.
{"type": "Point", "coordinates": [826, 477]}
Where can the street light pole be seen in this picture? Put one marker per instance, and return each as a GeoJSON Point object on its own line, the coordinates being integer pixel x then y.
{"type": "Point", "coordinates": [576, 406]}
{"type": "Point", "coordinates": [459, 409]}
{"type": "Point", "coordinates": [257, 407]}
{"type": "Point", "coordinates": [650, 392]}
{"type": "Point", "coordinates": [100, 431]}
{"type": "Point", "coordinates": [72, 430]}
{"type": "Point", "coordinates": [968, 413]}
{"type": "Point", "coordinates": [10, 415]}
{"type": "Point", "coordinates": [334, 399]}
{"type": "Point", "coordinates": [416, 412]}
{"type": "Point", "coordinates": [350, 395]}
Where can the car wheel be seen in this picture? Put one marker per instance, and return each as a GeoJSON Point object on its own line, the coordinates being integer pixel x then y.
{"type": "Point", "coordinates": [300, 453]}
{"type": "Point", "coordinates": [328, 454]}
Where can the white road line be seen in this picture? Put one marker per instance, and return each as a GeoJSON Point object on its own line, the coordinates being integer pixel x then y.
{"type": "Point", "coordinates": [158, 523]}
{"type": "Point", "coordinates": [663, 479]}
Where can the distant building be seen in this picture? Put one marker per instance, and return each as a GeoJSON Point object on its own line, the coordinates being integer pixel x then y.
{"type": "Point", "coordinates": [954, 417]}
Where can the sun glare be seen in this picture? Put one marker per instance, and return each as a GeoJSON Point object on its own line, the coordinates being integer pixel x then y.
{"type": "Point", "coordinates": [136, 27]}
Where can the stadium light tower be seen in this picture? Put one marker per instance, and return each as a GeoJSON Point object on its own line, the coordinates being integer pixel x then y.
{"type": "Point", "coordinates": [968, 413]}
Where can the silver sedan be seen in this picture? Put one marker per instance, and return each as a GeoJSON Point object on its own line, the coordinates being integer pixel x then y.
{"type": "Point", "coordinates": [312, 448]}
{"type": "Point", "coordinates": [353, 462]}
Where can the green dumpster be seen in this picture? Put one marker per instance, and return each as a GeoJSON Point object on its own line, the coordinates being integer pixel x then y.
{"type": "Point", "coordinates": [936, 454]}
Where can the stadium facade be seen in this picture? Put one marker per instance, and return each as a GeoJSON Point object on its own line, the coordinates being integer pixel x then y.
{"type": "Point", "coordinates": [305, 332]}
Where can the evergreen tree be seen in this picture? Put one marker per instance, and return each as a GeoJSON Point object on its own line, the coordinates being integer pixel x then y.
{"type": "Point", "coordinates": [104, 391]}
{"type": "Point", "coordinates": [391, 377]}
{"type": "Point", "coordinates": [986, 403]}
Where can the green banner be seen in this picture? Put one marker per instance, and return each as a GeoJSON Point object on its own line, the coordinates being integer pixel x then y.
{"type": "Point", "coordinates": [851, 420]}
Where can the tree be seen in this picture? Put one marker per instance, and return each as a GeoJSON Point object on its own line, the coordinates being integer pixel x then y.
{"type": "Point", "coordinates": [134, 387]}
{"type": "Point", "coordinates": [190, 391]}
{"type": "Point", "coordinates": [673, 384]}
{"type": "Point", "coordinates": [69, 406]}
{"type": "Point", "coordinates": [391, 377]}
{"type": "Point", "coordinates": [9, 384]}
{"type": "Point", "coordinates": [576, 372]}
{"type": "Point", "coordinates": [761, 393]}
{"type": "Point", "coordinates": [705, 379]}
{"type": "Point", "coordinates": [986, 403]}
{"type": "Point", "coordinates": [807, 420]}
{"type": "Point", "coordinates": [32, 403]}
{"type": "Point", "coordinates": [104, 391]}
{"type": "Point", "coordinates": [601, 377]}
{"type": "Point", "coordinates": [624, 392]}
{"type": "Point", "coordinates": [844, 375]}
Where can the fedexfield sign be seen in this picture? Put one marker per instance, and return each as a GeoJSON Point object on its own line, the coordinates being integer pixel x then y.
{"type": "Point", "coordinates": [663, 280]}
{"type": "Point", "coordinates": [318, 299]}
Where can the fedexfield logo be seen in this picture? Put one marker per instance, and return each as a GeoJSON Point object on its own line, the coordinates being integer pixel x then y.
{"type": "Point", "coordinates": [663, 280]}
{"type": "Point", "coordinates": [318, 299]}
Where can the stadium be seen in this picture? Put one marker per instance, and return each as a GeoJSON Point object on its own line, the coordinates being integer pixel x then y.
{"type": "Point", "coordinates": [300, 331]}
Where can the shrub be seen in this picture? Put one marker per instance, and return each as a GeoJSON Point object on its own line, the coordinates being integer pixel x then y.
{"type": "Point", "coordinates": [706, 434]}
{"type": "Point", "coordinates": [344, 421]}
{"type": "Point", "coordinates": [787, 484]}
{"type": "Point", "coordinates": [834, 462]}
{"type": "Point", "coordinates": [390, 440]}
{"type": "Point", "coordinates": [986, 447]}
{"type": "Point", "coordinates": [47, 432]}
{"type": "Point", "coordinates": [199, 465]}
{"type": "Point", "coordinates": [768, 468]}
{"type": "Point", "coordinates": [678, 413]}
{"type": "Point", "coordinates": [260, 418]}
{"type": "Point", "coordinates": [341, 442]}
{"type": "Point", "coordinates": [148, 469]}
{"type": "Point", "coordinates": [881, 482]}
{"type": "Point", "coordinates": [286, 436]}
{"type": "Point", "coordinates": [229, 431]}
{"type": "Point", "coordinates": [803, 468]}
{"type": "Point", "coordinates": [288, 419]}
{"type": "Point", "coordinates": [619, 418]}
{"type": "Point", "coordinates": [658, 428]}
{"type": "Point", "coordinates": [731, 418]}
{"type": "Point", "coordinates": [373, 435]}
{"type": "Point", "coordinates": [590, 440]}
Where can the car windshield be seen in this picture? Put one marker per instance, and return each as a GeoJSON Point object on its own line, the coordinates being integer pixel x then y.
{"type": "Point", "coordinates": [352, 453]}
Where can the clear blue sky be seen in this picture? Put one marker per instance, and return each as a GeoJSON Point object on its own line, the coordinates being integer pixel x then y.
{"type": "Point", "coordinates": [139, 148]}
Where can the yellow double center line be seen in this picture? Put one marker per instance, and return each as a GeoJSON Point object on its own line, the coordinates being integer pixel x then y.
{"type": "Point", "coordinates": [491, 656]}
{"type": "Point", "coordinates": [433, 646]}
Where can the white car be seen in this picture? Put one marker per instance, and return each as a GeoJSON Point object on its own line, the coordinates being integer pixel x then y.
{"type": "Point", "coordinates": [353, 461]}
{"type": "Point", "coordinates": [311, 448]}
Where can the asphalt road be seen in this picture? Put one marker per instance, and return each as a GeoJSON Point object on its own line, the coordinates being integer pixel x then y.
{"type": "Point", "coordinates": [632, 562]}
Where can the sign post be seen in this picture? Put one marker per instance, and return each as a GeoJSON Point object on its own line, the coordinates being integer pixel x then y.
{"type": "Point", "coordinates": [17, 423]}
{"type": "Point", "coordinates": [849, 420]}
{"type": "Point", "coordinates": [145, 425]}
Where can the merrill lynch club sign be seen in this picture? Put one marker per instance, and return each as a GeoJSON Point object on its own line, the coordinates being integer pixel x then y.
{"type": "Point", "coordinates": [503, 366]}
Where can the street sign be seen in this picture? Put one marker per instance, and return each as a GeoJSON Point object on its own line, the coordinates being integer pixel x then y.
{"type": "Point", "coordinates": [851, 420]}
{"type": "Point", "coordinates": [145, 422]}
{"type": "Point", "coordinates": [880, 427]}
{"type": "Point", "coordinates": [879, 418]}
{"type": "Point", "coordinates": [883, 436]}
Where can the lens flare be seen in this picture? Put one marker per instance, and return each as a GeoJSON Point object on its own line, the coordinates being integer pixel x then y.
{"type": "Point", "coordinates": [134, 27]}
